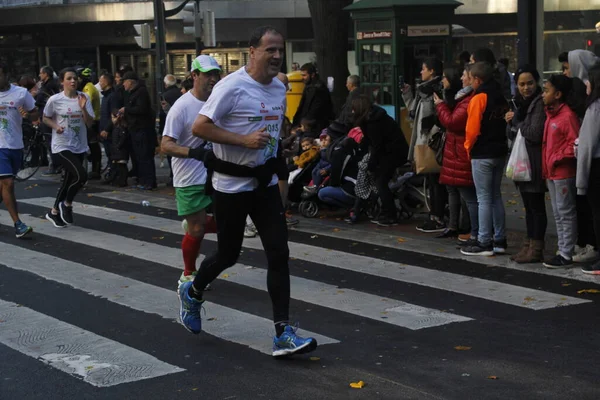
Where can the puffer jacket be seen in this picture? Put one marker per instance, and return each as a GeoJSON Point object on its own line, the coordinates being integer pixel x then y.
{"type": "Point", "coordinates": [307, 157]}
{"type": "Point", "coordinates": [558, 151]}
{"type": "Point", "coordinates": [119, 147]}
{"type": "Point", "coordinates": [456, 167]}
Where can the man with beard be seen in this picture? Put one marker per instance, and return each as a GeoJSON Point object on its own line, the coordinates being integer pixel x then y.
{"type": "Point", "coordinates": [315, 103]}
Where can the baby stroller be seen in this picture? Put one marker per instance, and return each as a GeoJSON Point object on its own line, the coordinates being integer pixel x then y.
{"type": "Point", "coordinates": [297, 183]}
{"type": "Point", "coordinates": [411, 193]}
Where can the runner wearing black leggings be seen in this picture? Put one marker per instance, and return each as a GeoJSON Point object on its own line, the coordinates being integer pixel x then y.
{"type": "Point", "coordinates": [69, 114]}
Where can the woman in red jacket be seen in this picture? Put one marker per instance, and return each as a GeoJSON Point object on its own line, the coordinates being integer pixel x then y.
{"type": "Point", "coordinates": [559, 165]}
{"type": "Point", "coordinates": [456, 166]}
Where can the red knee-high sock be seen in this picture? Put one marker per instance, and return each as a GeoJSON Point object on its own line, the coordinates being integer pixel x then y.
{"type": "Point", "coordinates": [210, 226]}
{"type": "Point", "coordinates": [190, 247]}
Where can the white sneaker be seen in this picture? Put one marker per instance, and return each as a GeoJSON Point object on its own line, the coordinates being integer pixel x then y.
{"type": "Point", "coordinates": [250, 231]}
{"type": "Point", "coordinates": [586, 254]}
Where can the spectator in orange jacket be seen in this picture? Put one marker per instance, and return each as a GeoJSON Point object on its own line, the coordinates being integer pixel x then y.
{"type": "Point", "coordinates": [486, 145]}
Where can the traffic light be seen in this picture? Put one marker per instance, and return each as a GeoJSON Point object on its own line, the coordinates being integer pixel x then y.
{"type": "Point", "coordinates": [143, 40]}
{"type": "Point", "coordinates": [192, 20]}
{"type": "Point", "coordinates": [209, 36]}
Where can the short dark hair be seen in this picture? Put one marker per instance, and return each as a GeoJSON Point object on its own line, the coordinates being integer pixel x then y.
{"type": "Point", "coordinates": [434, 64]}
{"type": "Point", "coordinates": [307, 139]}
{"type": "Point", "coordinates": [27, 82]}
{"type": "Point", "coordinates": [482, 70]}
{"type": "Point", "coordinates": [261, 31]}
{"type": "Point", "coordinates": [464, 57]}
{"type": "Point", "coordinates": [563, 57]}
{"type": "Point", "coordinates": [311, 123]}
{"type": "Point", "coordinates": [187, 84]}
{"type": "Point", "coordinates": [309, 67]}
{"type": "Point", "coordinates": [47, 70]}
{"type": "Point", "coordinates": [108, 76]}
{"type": "Point", "coordinates": [484, 55]}
{"type": "Point", "coordinates": [64, 71]}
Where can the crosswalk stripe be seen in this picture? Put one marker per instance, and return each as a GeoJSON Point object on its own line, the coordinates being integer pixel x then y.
{"type": "Point", "coordinates": [377, 237]}
{"type": "Point", "coordinates": [476, 287]}
{"type": "Point", "coordinates": [389, 311]}
{"type": "Point", "coordinates": [97, 360]}
{"type": "Point", "coordinates": [228, 324]}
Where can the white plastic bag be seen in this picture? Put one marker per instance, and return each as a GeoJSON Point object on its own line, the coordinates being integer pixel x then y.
{"type": "Point", "coordinates": [519, 167]}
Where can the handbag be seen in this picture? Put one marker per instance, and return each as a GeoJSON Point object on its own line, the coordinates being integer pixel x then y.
{"type": "Point", "coordinates": [436, 142]}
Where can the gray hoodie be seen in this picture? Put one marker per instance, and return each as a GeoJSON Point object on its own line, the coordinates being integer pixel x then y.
{"type": "Point", "coordinates": [589, 145]}
{"type": "Point", "coordinates": [580, 61]}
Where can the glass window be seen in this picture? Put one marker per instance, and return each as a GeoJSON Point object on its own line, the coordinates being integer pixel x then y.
{"type": "Point", "coordinates": [366, 53]}
{"type": "Point", "coordinates": [387, 73]}
{"type": "Point", "coordinates": [375, 73]}
{"type": "Point", "coordinates": [386, 56]}
{"type": "Point", "coordinates": [376, 53]}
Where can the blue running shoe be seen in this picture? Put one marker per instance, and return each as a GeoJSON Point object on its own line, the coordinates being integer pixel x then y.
{"type": "Point", "coordinates": [189, 309]}
{"type": "Point", "coordinates": [21, 229]}
{"type": "Point", "coordinates": [289, 343]}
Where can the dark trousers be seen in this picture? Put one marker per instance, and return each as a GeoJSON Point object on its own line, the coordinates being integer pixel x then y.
{"type": "Point", "coordinates": [266, 210]}
{"type": "Point", "coordinates": [95, 156]}
{"type": "Point", "coordinates": [439, 196]}
{"type": "Point", "coordinates": [593, 197]}
{"type": "Point", "coordinates": [585, 230]}
{"type": "Point", "coordinates": [143, 145]}
{"type": "Point", "coordinates": [535, 214]}
{"type": "Point", "coordinates": [75, 176]}
{"type": "Point", "coordinates": [382, 180]}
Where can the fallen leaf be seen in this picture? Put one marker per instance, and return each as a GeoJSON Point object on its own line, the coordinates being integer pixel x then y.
{"type": "Point", "coordinates": [494, 377]}
{"type": "Point", "coordinates": [465, 374]}
{"type": "Point", "coordinates": [401, 240]}
{"type": "Point", "coordinates": [194, 388]}
{"type": "Point", "coordinates": [529, 298]}
{"type": "Point", "coordinates": [357, 385]}
{"type": "Point", "coordinates": [565, 284]}
{"type": "Point", "coordinates": [340, 291]}
{"type": "Point", "coordinates": [521, 217]}
{"type": "Point", "coordinates": [462, 348]}
{"type": "Point", "coordinates": [132, 217]}
{"type": "Point", "coordinates": [293, 258]}
{"type": "Point", "coordinates": [211, 319]}
{"type": "Point", "coordinates": [336, 229]}
{"type": "Point", "coordinates": [124, 286]}
{"type": "Point", "coordinates": [314, 236]}
{"type": "Point", "coordinates": [158, 238]}
{"type": "Point", "coordinates": [90, 195]}
{"type": "Point", "coordinates": [89, 367]}
{"type": "Point", "coordinates": [511, 203]}
{"type": "Point", "coordinates": [225, 276]}
{"type": "Point", "coordinates": [314, 358]}
{"type": "Point", "coordinates": [588, 291]}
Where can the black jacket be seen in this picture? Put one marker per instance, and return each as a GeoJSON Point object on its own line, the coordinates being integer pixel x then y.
{"type": "Point", "coordinates": [346, 113]}
{"type": "Point", "coordinates": [491, 142]}
{"type": "Point", "coordinates": [47, 89]}
{"type": "Point", "coordinates": [170, 95]}
{"type": "Point", "coordinates": [138, 110]}
{"type": "Point", "coordinates": [315, 104]}
{"type": "Point", "coordinates": [106, 108]}
{"type": "Point", "coordinates": [119, 147]}
{"type": "Point", "coordinates": [385, 139]}
{"type": "Point", "coordinates": [344, 164]}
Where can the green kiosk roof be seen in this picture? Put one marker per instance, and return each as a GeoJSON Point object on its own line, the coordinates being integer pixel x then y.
{"type": "Point", "coordinates": [370, 4]}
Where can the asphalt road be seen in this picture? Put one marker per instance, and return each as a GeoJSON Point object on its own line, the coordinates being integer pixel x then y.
{"type": "Point", "coordinates": [89, 312]}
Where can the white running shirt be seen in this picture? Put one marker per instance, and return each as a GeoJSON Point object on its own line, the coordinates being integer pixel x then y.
{"type": "Point", "coordinates": [11, 130]}
{"type": "Point", "coordinates": [180, 118]}
{"type": "Point", "coordinates": [242, 105]}
{"type": "Point", "coordinates": [67, 113]}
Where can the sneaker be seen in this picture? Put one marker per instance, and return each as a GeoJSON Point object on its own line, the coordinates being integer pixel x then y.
{"type": "Point", "coordinates": [586, 254]}
{"type": "Point", "coordinates": [56, 220]}
{"type": "Point", "coordinates": [464, 237]}
{"type": "Point", "coordinates": [184, 225]}
{"type": "Point", "coordinates": [51, 172]}
{"type": "Point", "coordinates": [290, 220]}
{"type": "Point", "coordinates": [447, 234]}
{"type": "Point", "coordinates": [387, 221]}
{"type": "Point", "coordinates": [431, 226]}
{"type": "Point", "coordinates": [189, 309]}
{"type": "Point", "coordinates": [591, 269]}
{"type": "Point", "coordinates": [289, 343]}
{"type": "Point", "coordinates": [500, 246]}
{"type": "Point", "coordinates": [250, 231]}
{"type": "Point", "coordinates": [66, 213]}
{"type": "Point", "coordinates": [352, 218]}
{"type": "Point", "coordinates": [186, 278]}
{"type": "Point", "coordinates": [469, 243]}
{"type": "Point", "coordinates": [557, 262]}
{"type": "Point", "coordinates": [310, 188]}
{"type": "Point", "coordinates": [21, 229]}
{"type": "Point", "coordinates": [478, 250]}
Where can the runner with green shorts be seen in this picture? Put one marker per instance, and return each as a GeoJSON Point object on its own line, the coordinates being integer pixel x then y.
{"type": "Point", "coordinates": [189, 172]}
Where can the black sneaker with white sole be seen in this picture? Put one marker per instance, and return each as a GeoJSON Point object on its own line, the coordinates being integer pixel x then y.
{"type": "Point", "coordinates": [56, 220]}
{"type": "Point", "coordinates": [558, 262]}
{"type": "Point", "coordinates": [478, 250]}
{"type": "Point", "coordinates": [500, 246]}
{"type": "Point", "coordinates": [591, 269]}
{"type": "Point", "coordinates": [387, 221]}
{"type": "Point", "coordinates": [431, 226]}
{"type": "Point", "coordinates": [66, 213]}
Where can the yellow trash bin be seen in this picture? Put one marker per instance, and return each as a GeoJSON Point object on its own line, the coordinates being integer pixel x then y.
{"type": "Point", "coordinates": [294, 95]}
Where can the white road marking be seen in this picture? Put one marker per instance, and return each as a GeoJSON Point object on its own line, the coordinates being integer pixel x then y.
{"type": "Point", "coordinates": [95, 359]}
{"type": "Point", "coordinates": [475, 287]}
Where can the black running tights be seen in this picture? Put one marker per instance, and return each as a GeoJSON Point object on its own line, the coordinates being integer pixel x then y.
{"type": "Point", "coordinates": [266, 210]}
{"type": "Point", "coordinates": [75, 176]}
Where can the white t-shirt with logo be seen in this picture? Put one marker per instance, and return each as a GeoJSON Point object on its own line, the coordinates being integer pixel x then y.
{"type": "Point", "coordinates": [66, 112]}
{"type": "Point", "coordinates": [11, 130]}
{"type": "Point", "coordinates": [242, 105]}
{"type": "Point", "coordinates": [180, 118]}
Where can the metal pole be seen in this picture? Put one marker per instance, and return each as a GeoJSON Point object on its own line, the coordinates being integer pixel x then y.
{"type": "Point", "coordinates": [161, 47]}
{"type": "Point", "coordinates": [198, 40]}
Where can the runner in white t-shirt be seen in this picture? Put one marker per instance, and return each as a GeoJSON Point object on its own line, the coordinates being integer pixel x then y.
{"type": "Point", "coordinates": [189, 173]}
{"type": "Point", "coordinates": [242, 118]}
{"type": "Point", "coordinates": [15, 103]}
{"type": "Point", "coordinates": [69, 114]}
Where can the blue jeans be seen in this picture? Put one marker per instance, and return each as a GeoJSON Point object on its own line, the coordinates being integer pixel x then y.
{"type": "Point", "coordinates": [487, 174]}
{"type": "Point", "coordinates": [335, 196]}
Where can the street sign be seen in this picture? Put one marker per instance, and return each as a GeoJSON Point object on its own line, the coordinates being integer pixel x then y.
{"type": "Point", "coordinates": [143, 38]}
